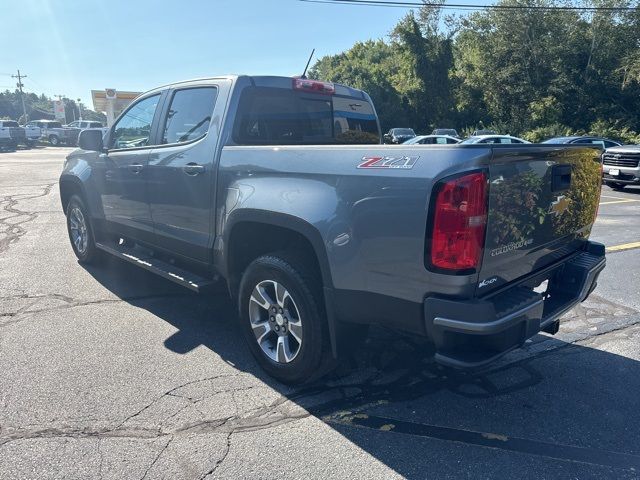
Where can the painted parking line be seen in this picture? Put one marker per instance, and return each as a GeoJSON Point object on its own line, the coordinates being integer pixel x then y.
{"type": "Point", "coordinates": [624, 246]}
{"type": "Point", "coordinates": [626, 200]}
{"type": "Point", "coordinates": [563, 452]}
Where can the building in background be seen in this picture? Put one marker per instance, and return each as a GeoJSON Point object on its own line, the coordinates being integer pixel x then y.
{"type": "Point", "coordinates": [111, 102]}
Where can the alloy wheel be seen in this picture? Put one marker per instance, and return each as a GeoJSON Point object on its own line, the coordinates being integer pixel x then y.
{"type": "Point", "coordinates": [275, 321]}
{"type": "Point", "coordinates": [79, 232]}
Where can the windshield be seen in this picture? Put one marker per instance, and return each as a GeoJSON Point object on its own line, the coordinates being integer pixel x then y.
{"type": "Point", "coordinates": [403, 131]}
{"type": "Point", "coordinates": [445, 131]}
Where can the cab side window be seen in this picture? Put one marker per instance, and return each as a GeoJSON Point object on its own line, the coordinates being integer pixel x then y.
{"type": "Point", "coordinates": [134, 128]}
{"type": "Point", "coordinates": [189, 115]}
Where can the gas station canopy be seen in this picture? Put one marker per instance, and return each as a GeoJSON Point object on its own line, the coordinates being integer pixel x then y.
{"type": "Point", "coordinates": [111, 102]}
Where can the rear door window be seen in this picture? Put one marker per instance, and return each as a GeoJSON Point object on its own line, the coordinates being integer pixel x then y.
{"type": "Point", "coordinates": [189, 115]}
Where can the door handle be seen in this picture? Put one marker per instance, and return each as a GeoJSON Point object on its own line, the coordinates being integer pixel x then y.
{"type": "Point", "coordinates": [193, 169]}
{"type": "Point", "coordinates": [136, 167]}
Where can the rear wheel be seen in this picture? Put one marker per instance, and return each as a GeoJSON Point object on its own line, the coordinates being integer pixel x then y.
{"type": "Point", "coordinates": [54, 140]}
{"type": "Point", "coordinates": [80, 231]}
{"type": "Point", "coordinates": [283, 321]}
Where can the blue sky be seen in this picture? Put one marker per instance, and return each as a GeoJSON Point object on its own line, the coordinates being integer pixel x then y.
{"type": "Point", "coordinates": [70, 47]}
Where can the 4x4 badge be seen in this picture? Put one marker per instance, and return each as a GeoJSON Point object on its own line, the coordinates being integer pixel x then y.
{"type": "Point", "coordinates": [559, 206]}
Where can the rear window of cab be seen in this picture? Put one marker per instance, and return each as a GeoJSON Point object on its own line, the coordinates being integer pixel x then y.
{"type": "Point", "coordinates": [278, 116]}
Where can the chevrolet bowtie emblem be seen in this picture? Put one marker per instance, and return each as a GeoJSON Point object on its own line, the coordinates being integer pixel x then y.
{"type": "Point", "coordinates": [559, 206]}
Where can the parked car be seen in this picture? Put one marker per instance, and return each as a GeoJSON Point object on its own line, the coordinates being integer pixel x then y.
{"type": "Point", "coordinates": [53, 132]}
{"type": "Point", "coordinates": [494, 139]}
{"type": "Point", "coordinates": [478, 133]}
{"type": "Point", "coordinates": [82, 124]}
{"type": "Point", "coordinates": [451, 132]}
{"type": "Point", "coordinates": [581, 140]}
{"type": "Point", "coordinates": [11, 134]}
{"type": "Point", "coordinates": [398, 135]}
{"type": "Point", "coordinates": [432, 139]}
{"type": "Point", "coordinates": [621, 166]}
{"type": "Point", "coordinates": [316, 239]}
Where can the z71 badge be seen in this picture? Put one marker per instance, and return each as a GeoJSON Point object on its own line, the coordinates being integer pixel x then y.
{"type": "Point", "coordinates": [388, 162]}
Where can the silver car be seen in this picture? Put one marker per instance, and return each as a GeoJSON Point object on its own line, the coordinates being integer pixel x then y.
{"type": "Point", "coordinates": [500, 139]}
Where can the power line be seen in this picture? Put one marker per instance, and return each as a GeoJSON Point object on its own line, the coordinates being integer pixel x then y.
{"type": "Point", "coordinates": [464, 6]}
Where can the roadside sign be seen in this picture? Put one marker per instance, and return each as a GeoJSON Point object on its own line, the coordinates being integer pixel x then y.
{"type": "Point", "coordinates": [58, 109]}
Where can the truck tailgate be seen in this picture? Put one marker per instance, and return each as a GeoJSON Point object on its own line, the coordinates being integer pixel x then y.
{"type": "Point", "coordinates": [542, 204]}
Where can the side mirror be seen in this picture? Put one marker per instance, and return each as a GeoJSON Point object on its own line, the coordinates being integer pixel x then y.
{"type": "Point", "coordinates": [91, 139]}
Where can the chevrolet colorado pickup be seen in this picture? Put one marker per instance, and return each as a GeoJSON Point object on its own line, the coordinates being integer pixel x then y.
{"type": "Point", "coordinates": [281, 188]}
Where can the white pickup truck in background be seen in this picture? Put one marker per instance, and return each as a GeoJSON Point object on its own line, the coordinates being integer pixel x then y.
{"type": "Point", "coordinates": [32, 134]}
{"type": "Point", "coordinates": [11, 134]}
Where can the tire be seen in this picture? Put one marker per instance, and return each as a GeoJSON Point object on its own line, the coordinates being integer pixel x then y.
{"type": "Point", "coordinates": [79, 225]}
{"type": "Point", "coordinates": [299, 315]}
{"type": "Point", "coordinates": [616, 185]}
{"type": "Point", "coordinates": [54, 140]}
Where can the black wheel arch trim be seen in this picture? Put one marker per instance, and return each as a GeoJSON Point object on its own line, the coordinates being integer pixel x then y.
{"type": "Point", "coordinates": [295, 224]}
{"type": "Point", "coordinates": [76, 182]}
{"type": "Point", "coordinates": [282, 220]}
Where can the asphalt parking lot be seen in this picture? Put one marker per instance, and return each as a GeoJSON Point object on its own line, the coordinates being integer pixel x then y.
{"type": "Point", "coordinates": [109, 372]}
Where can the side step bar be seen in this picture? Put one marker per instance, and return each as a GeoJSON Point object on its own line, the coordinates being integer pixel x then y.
{"type": "Point", "coordinates": [164, 269]}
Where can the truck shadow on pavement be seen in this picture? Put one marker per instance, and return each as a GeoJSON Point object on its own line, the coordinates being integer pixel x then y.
{"type": "Point", "coordinates": [565, 410]}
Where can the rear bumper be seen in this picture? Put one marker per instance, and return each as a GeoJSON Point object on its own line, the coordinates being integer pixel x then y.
{"type": "Point", "coordinates": [473, 333]}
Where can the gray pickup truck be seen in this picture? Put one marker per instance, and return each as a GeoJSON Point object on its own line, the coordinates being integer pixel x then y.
{"type": "Point", "coordinates": [56, 134]}
{"type": "Point", "coordinates": [281, 188]}
{"type": "Point", "coordinates": [621, 166]}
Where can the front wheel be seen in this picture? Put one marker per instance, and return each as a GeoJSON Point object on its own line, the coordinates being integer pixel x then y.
{"type": "Point", "coordinates": [282, 317]}
{"type": "Point", "coordinates": [54, 140]}
{"type": "Point", "coordinates": [80, 231]}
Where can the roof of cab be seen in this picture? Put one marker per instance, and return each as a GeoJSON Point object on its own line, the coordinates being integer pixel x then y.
{"type": "Point", "coordinates": [262, 81]}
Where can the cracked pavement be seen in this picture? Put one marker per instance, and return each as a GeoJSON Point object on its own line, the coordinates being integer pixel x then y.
{"type": "Point", "coordinates": [108, 372]}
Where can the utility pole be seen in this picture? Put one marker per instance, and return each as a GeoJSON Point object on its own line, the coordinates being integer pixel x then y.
{"type": "Point", "coordinates": [20, 85]}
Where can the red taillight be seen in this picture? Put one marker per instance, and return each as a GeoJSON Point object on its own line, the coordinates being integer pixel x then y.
{"type": "Point", "coordinates": [459, 221]}
{"type": "Point", "coordinates": [314, 86]}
